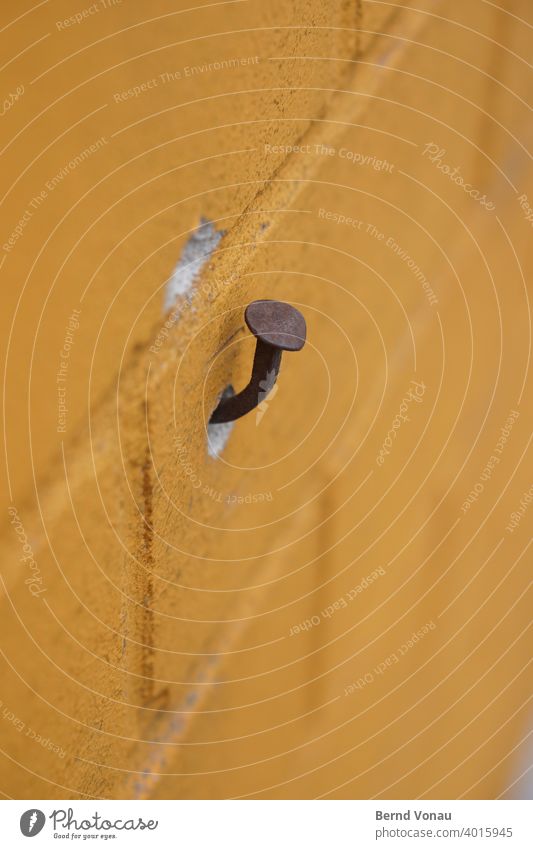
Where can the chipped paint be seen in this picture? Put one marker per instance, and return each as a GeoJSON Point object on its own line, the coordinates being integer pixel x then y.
{"type": "Point", "coordinates": [219, 434]}
{"type": "Point", "coordinates": [217, 438]}
{"type": "Point", "coordinates": [197, 251]}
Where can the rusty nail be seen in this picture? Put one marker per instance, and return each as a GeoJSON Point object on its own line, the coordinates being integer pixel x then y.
{"type": "Point", "coordinates": [277, 327]}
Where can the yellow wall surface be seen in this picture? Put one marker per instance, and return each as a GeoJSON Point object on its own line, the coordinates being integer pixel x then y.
{"type": "Point", "coordinates": [337, 603]}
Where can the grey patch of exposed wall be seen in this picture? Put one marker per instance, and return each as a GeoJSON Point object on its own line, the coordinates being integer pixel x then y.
{"type": "Point", "coordinates": [196, 252]}
{"type": "Point", "coordinates": [217, 438]}
{"type": "Point", "coordinates": [218, 434]}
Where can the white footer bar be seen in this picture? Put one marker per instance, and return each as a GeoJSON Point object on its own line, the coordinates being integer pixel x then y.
{"type": "Point", "coordinates": [269, 824]}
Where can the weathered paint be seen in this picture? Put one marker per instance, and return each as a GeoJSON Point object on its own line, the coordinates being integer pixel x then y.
{"type": "Point", "coordinates": [197, 250]}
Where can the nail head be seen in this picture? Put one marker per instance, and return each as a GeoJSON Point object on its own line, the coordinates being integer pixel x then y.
{"type": "Point", "coordinates": [276, 323]}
